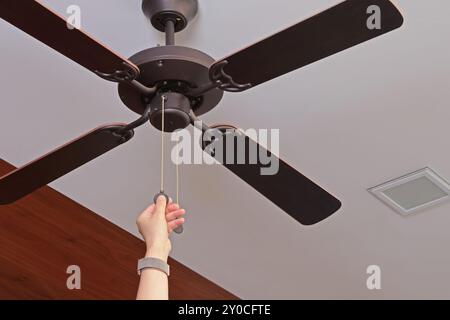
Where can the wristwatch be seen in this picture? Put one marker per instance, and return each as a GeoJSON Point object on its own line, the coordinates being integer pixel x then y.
{"type": "Point", "coordinates": [153, 263]}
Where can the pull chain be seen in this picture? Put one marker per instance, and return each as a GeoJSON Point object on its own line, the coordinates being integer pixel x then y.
{"type": "Point", "coordinates": [163, 108]}
{"type": "Point", "coordinates": [161, 192]}
{"type": "Point", "coordinates": [177, 168]}
{"type": "Point", "coordinates": [180, 229]}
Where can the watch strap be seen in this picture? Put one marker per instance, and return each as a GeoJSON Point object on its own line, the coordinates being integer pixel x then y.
{"type": "Point", "coordinates": [153, 263]}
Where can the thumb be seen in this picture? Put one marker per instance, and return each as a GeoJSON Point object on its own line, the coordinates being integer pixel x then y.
{"type": "Point", "coordinates": [161, 203]}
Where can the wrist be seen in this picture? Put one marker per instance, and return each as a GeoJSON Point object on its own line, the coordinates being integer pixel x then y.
{"type": "Point", "coordinates": [156, 252]}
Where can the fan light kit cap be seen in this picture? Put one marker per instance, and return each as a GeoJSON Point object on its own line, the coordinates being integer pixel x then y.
{"type": "Point", "coordinates": [414, 192]}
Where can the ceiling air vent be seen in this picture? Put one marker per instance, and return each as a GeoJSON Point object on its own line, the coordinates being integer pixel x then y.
{"type": "Point", "coordinates": [413, 192]}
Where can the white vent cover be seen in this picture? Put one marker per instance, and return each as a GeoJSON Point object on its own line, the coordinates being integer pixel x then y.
{"type": "Point", "coordinates": [413, 192]}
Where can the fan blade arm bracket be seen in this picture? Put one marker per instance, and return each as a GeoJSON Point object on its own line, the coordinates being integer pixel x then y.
{"type": "Point", "coordinates": [201, 90]}
{"type": "Point", "coordinates": [219, 79]}
{"type": "Point", "coordinates": [128, 75]}
{"type": "Point", "coordinates": [128, 130]}
{"type": "Point", "coordinates": [225, 82]}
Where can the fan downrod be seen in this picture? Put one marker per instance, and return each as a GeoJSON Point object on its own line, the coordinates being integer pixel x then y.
{"type": "Point", "coordinates": [180, 12]}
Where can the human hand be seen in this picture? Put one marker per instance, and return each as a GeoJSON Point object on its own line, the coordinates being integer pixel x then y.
{"type": "Point", "coordinates": [156, 223]}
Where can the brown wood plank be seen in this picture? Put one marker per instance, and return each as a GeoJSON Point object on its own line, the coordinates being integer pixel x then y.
{"type": "Point", "coordinates": [44, 233]}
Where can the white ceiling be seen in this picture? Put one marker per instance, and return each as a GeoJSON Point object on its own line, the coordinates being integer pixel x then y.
{"type": "Point", "coordinates": [349, 122]}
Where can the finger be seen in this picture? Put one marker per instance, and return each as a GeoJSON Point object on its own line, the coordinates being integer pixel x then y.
{"type": "Point", "coordinates": [175, 214]}
{"type": "Point", "coordinates": [161, 203]}
{"type": "Point", "coordinates": [150, 209]}
{"type": "Point", "coordinates": [172, 207]}
{"type": "Point", "coordinates": [175, 224]}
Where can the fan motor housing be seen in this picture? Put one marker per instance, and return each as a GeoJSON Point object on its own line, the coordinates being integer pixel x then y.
{"type": "Point", "coordinates": [171, 69]}
{"type": "Point", "coordinates": [176, 111]}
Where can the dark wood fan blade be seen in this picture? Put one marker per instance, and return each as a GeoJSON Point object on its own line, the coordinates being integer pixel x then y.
{"type": "Point", "coordinates": [336, 29]}
{"type": "Point", "coordinates": [291, 191]}
{"type": "Point", "coordinates": [48, 27]}
{"type": "Point", "coordinates": [59, 162]}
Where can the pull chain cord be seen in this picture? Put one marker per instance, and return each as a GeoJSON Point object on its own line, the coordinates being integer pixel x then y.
{"type": "Point", "coordinates": [163, 108]}
{"type": "Point", "coordinates": [161, 193]}
{"type": "Point", "coordinates": [177, 167]}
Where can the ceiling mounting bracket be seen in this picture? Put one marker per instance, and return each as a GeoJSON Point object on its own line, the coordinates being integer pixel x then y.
{"type": "Point", "coordinates": [181, 12]}
{"type": "Point", "coordinates": [217, 74]}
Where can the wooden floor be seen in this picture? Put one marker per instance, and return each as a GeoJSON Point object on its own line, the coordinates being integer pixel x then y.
{"type": "Point", "coordinates": [42, 234]}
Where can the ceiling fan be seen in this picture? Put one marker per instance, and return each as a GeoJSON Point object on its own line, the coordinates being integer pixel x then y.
{"type": "Point", "coordinates": [193, 83]}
